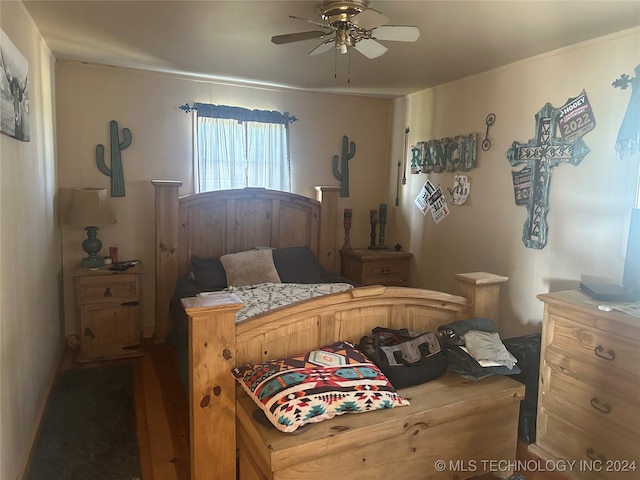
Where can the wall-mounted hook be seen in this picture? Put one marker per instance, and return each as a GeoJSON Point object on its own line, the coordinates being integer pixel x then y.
{"type": "Point", "coordinates": [486, 143]}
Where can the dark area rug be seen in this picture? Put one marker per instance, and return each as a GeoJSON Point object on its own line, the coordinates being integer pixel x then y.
{"type": "Point", "coordinates": [88, 430]}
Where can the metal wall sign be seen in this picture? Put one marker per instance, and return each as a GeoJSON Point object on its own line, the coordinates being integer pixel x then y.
{"type": "Point", "coordinates": [575, 118]}
{"type": "Point", "coordinates": [445, 155]}
{"type": "Point", "coordinates": [461, 189]}
{"type": "Point", "coordinates": [431, 199]}
{"type": "Point", "coordinates": [541, 154]}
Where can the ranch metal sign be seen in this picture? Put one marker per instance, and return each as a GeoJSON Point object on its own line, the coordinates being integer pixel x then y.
{"type": "Point", "coordinates": [445, 155]}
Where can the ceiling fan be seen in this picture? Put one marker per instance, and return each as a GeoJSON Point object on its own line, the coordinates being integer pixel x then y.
{"type": "Point", "coordinates": [349, 24]}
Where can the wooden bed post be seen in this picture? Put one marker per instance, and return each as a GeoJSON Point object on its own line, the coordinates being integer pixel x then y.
{"type": "Point", "coordinates": [212, 399]}
{"type": "Point", "coordinates": [483, 289]}
{"type": "Point", "coordinates": [327, 252]}
{"type": "Point", "coordinates": [166, 251]}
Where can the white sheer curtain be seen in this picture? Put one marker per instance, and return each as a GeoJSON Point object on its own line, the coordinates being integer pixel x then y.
{"type": "Point", "coordinates": [268, 156]}
{"type": "Point", "coordinates": [234, 154]}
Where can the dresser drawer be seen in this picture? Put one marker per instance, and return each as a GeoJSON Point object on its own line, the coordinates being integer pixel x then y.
{"type": "Point", "coordinates": [107, 289]}
{"type": "Point", "coordinates": [596, 347]}
{"type": "Point", "coordinates": [598, 455]}
{"type": "Point", "coordinates": [593, 406]}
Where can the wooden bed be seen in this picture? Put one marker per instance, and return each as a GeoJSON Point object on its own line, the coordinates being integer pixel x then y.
{"type": "Point", "coordinates": [215, 223]}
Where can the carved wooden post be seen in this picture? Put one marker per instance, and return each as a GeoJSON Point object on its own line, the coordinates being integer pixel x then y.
{"type": "Point", "coordinates": [483, 289]}
{"type": "Point", "coordinates": [166, 251]}
{"type": "Point", "coordinates": [212, 401]}
{"type": "Point", "coordinates": [328, 197]}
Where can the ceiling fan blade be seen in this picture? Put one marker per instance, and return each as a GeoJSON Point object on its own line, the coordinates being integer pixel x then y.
{"type": "Point", "coordinates": [320, 24]}
{"type": "Point", "coordinates": [313, 22]}
{"type": "Point", "coordinates": [296, 37]}
{"type": "Point", "coordinates": [397, 33]}
{"type": "Point", "coordinates": [369, 18]}
{"type": "Point", "coordinates": [323, 47]}
{"type": "Point", "coordinates": [370, 48]}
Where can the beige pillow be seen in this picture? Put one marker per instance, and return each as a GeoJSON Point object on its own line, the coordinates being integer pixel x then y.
{"type": "Point", "coordinates": [249, 268]}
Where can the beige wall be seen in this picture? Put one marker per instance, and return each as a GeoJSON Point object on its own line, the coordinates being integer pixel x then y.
{"type": "Point", "coordinates": [30, 269]}
{"type": "Point", "coordinates": [90, 96]}
{"type": "Point", "coordinates": [589, 203]}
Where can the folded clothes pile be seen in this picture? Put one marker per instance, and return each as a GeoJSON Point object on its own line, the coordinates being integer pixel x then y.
{"type": "Point", "coordinates": [475, 350]}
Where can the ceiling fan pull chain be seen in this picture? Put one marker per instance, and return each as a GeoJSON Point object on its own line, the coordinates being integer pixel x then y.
{"type": "Point", "coordinates": [349, 66]}
{"type": "Point", "coordinates": [335, 63]}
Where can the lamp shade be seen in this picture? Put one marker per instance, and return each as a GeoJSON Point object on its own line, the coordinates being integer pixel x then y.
{"type": "Point", "coordinates": [89, 206]}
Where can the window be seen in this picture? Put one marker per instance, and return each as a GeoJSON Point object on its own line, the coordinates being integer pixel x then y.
{"type": "Point", "coordinates": [239, 148]}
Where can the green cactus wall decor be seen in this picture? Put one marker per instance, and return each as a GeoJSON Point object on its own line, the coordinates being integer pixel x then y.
{"type": "Point", "coordinates": [115, 172]}
{"type": "Point", "coordinates": [348, 151]}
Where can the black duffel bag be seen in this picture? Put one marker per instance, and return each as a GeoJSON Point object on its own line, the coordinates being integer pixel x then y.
{"type": "Point", "coordinates": [405, 357]}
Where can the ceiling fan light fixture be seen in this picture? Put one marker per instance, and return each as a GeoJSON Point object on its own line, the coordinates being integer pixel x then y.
{"type": "Point", "coordinates": [343, 40]}
{"type": "Point", "coordinates": [351, 23]}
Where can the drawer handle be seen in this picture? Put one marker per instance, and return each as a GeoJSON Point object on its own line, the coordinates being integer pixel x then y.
{"type": "Point", "coordinates": [592, 455]}
{"type": "Point", "coordinates": [386, 271]}
{"type": "Point", "coordinates": [89, 333]}
{"type": "Point", "coordinates": [608, 355]}
{"type": "Point", "coordinates": [107, 292]}
{"type": "Point", "coordinates": [602, 407]}
{"type": "Point", "coordinates": [130, 304]}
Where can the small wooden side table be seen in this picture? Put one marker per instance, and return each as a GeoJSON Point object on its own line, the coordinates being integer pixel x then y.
{"type": "Point", "coordinates": [376, 267]}
{"type": "Point", "coordinates": [109, 308]}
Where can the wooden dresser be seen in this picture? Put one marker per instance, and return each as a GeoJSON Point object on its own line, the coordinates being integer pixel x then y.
{"type": "Point", "coordinates": [109, 307]}
{"type": "Point", "coordinates": [375, 267]}
{"type": "Point", "coordinates": [589, 393]}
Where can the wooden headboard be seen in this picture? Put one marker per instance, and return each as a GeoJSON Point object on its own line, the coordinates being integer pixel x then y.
{"type": "Point", "coordinates": [212, 224]}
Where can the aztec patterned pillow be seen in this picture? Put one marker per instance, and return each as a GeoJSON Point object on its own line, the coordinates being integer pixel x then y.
{"type": "Point", "coordinates": [318, 385]}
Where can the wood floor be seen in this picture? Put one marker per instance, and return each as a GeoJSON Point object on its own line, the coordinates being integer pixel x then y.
{"type": "Point", "coordinates": [163, 420]}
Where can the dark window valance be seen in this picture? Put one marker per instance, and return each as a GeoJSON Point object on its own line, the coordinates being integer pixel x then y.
{"type": "Point", "coordinates": [238, 113]}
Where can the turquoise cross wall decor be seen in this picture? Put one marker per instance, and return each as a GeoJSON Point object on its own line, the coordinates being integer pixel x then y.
{"type": "Point", "coordinates": [541, 154]}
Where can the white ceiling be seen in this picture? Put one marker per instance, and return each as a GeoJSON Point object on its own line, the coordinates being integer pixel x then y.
{"type": "Point", "coordinates": [232, 39]}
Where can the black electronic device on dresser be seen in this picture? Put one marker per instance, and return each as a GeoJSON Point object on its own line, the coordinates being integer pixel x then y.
{"type": "Point", "coordinates": [607, 290]}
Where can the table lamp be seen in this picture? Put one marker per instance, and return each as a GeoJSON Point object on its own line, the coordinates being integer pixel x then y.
{"type": "Point", "coordinates": [89, 208]}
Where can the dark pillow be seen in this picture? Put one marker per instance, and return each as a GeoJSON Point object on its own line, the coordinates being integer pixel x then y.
{"type": "Point", "coordinates": [297, 265]}
{"type": "Point", "coordinates": [186, 287]}
{"type": "Point", "coordinates": [209, 273]}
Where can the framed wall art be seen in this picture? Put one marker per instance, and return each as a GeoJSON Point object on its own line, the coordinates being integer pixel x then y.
{"type": "Point", "coordinates": [14, 93]}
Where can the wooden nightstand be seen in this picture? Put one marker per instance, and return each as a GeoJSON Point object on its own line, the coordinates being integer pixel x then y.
{"type": "Point", "coordinates": [375, 267]}
{"type": "Point", "coordinates": [109, 309]}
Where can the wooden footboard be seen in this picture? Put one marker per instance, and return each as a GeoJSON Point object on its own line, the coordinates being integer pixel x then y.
{"type": "Point", "coordinates": [217, 344]}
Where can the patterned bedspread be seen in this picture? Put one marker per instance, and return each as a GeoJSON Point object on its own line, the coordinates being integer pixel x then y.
{"type": "Point", "coordinates": [263, 297]}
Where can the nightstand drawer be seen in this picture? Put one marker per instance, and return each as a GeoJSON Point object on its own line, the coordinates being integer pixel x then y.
{"type": "Point", "coordinates": [373, 267]}
{"type": "Point", "coordinates": [109, 289]}
{"type": "Point", "coordinates": [389, 273]}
